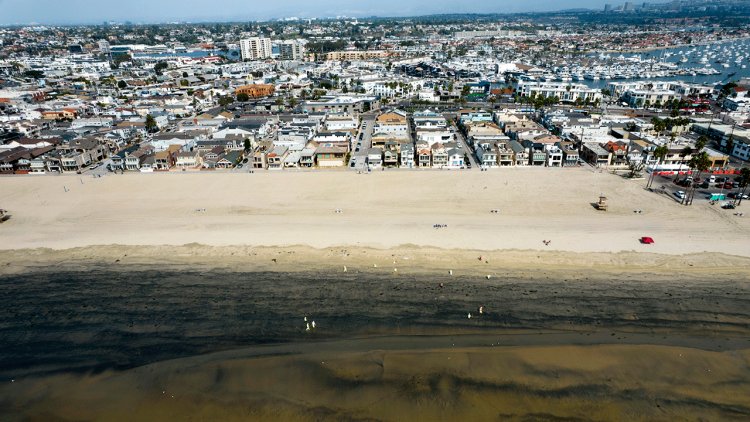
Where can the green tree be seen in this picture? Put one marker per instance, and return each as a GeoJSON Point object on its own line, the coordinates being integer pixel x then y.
{"type": "Point", "coordinates": [700, 162]}
{"type": "Point", "coordinates": [248, 145]}
{"type": "Point", "coordinates": [225, 101]}
{"type": "Point", "coordinates": [151, 125]}
{"type": "Point", "coordinates": [699, 145]}
{"type": "Point", "coordinates": [33, 74]}
{"type": "Point", "coordinates": [744, 181]}
{"type": "Point", "coordinates": [659, 153]}
{"type": "Point", "coordinates": [658, 124]}
{"type": "Point", "coordinates": [160, 67]}
{"type": "Point", "coordinates": [122, 84]}
{"type": "Point", "coordinates": [684, 153]}
{"type": "Point", "coordinates": [635, 169]}
{"type": "Point", "coordinates": [243, 97]}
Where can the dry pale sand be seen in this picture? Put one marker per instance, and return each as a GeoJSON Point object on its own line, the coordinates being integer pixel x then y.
{"type": "Point", "coordinates": [380, 210]}
{"type": "Point", "coordinates": [570, 383]}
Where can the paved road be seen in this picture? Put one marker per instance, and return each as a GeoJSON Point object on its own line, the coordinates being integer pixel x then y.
{"type": "Point", "coordinates": [363, 143]}
{"type": "Point", "coordinates": [467, 150]}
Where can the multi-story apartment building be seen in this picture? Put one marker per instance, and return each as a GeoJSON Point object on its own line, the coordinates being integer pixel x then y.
{"type": "Point", "coordinates": [255, 48]}
{"type": "Point", "coordinates": [291, 50]}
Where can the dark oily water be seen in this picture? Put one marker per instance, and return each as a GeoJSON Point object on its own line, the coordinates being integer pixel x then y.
{"type": "Point", "coordinates": [105, 318]}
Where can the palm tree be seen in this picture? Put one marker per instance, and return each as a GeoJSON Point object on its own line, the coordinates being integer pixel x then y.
{"type": "Point", "coordinates": [659, 153]}
{"type": "Point", "coordinates": [744, 181]}
{"type": "Point", "coordinates": [658, 125]}
{"type": "Point", "coordinates": [699, 145]}
{"type": "Point", "coordinates": [684, 153]}
{"type": "Point", "coordinates": [700, 162]}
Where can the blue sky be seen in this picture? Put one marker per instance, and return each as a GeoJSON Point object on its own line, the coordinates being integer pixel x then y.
{"type": "Point", "coordinates": [97, 11]}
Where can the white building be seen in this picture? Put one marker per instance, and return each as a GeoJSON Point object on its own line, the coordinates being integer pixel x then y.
{"type": "Point", "coordinates": [565, 91]}
{"type": "Point", "coordinates": [336, 122]}
{"type": "Point", "coordinates": [645, 98]}
{"type": "Point", "coordinates": [740, 101]}
{"type": "Point", "coordinates": [434, 136]}
{"type": "Point", "coordinates": [292, 50]}
{"type": "Point", "coordinates": [255, 48]}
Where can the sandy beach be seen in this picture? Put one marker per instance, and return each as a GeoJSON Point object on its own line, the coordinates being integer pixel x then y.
{"type": "Point", "coordinates": [380, 210]}
{"type": "Point", "coordinates": [181, 297]}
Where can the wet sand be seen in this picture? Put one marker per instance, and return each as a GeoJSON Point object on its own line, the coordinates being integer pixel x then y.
{"type": "Point", "coordinates": [131, 340]}
{"type": "Point", "coordinates": [581, 383]}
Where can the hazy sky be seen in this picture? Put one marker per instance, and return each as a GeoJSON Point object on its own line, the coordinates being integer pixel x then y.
{"type": "Point", "coordinates": [97, 11]}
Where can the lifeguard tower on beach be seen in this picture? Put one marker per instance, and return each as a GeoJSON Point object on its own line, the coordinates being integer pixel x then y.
{"type": "Point", "coordinates": [602, 204]}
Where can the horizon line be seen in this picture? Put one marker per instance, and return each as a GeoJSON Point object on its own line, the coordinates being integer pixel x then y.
{"type": "Point", "coordinates": [287, 19]}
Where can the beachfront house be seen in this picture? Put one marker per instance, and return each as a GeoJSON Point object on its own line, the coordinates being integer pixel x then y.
{"type": "Point", "coordinates": [276, 157]}
{"type": "Point", "coordinates": [520, 153]}
{"type": "Point", "coordinates": [331, 156]}
{"type": "Point", "coordinates": [554, 156]}
{"type": "Point", "coordinates": [455, 158]}
{"type": "Point", "coordinates": [424, 154]}
{"type": "Point", "coordinates": [569, 154]}
{"type": "Point", "coordinates": [486, 155]}
{"type": "Point", "coordinates": [439, 156]}
{"type": "Point", "coordinates": [188, 159]}
{"type": "Point", "coordinates": [505, 154]}
{"type": "Point", "coordinates": [407, 155]}
{"type": "Point", "coordinates": [391, 154]}
{"type": "Point", "coordinates": [594, 154]}
{"type": "Point", "coordinates": [307, 157]}
{"type": "Point", "coordinates": [374, 158]}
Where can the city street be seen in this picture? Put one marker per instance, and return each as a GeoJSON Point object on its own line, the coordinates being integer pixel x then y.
{"type": "Point", "coordinates": [362, 143]}
{"type": "Point", "coordinates": [467, 150]}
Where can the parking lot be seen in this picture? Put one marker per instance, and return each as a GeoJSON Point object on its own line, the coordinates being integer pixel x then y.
{"type": "Point", "coordinates": [718, 190]}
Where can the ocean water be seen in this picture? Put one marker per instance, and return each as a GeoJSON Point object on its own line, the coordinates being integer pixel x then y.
{"type": "Point", "coordinates": [124, 317]}
{"type": "Point", "coordinates": [716, 54]}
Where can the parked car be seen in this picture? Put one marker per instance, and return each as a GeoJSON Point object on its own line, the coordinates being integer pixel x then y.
{"type": "Point", "coordinates": [728, 206]}
{"type": "Point", "coordinates": [680, 194]}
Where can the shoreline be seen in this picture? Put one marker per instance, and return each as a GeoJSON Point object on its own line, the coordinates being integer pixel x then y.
{"type": "Point", "coordinates": [405, 259]}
